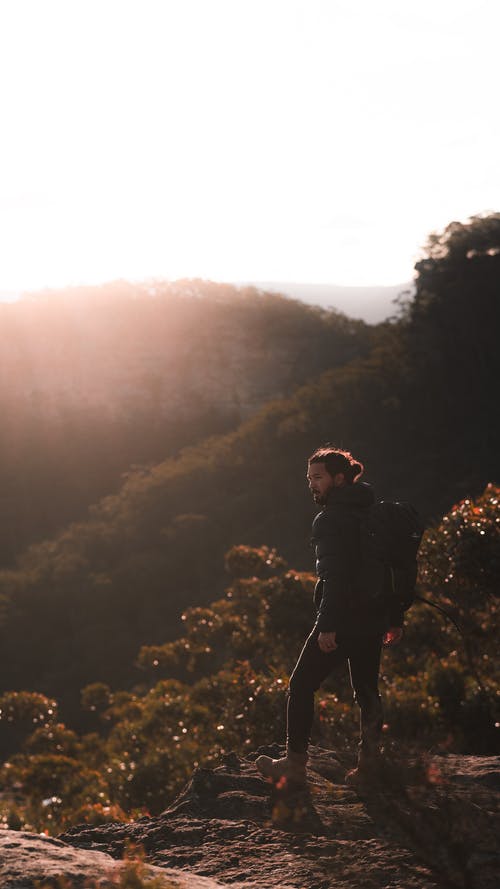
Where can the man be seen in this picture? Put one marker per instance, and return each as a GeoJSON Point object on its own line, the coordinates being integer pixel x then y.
{"type": "Point", "coordinates": [349, 626]}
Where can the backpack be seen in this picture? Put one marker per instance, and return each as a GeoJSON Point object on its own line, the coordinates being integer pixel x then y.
{"type": "Point", "coordinates": [390, 535]}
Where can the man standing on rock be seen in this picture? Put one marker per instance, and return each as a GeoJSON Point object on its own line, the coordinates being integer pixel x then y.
{"type": "Point", "coordinates": [349, 627]}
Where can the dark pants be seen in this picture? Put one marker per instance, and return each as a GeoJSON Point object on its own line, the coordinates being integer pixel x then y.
{"type": "Point", "coordinates": [362, 653]}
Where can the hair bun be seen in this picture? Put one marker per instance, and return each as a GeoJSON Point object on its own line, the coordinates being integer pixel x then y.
{"type": "Point", "coordinates": [355, 470]}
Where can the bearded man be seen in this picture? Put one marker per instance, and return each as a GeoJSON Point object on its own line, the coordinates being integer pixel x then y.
{"type": "Point", "coordinates": [349, 629]}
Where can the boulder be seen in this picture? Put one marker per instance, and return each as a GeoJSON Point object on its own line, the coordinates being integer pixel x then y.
{"type": "Point", "coordinates": [30, 860]}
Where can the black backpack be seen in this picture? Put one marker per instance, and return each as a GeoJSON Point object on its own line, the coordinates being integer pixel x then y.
{"type": "Point", "coordinates": [390, 535]}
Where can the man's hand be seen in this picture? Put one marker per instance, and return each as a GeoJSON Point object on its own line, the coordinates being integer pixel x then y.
{"type": "Point", "coordinates": [393, 636]}
{"type": "Point", "coordinates": [327, 642]}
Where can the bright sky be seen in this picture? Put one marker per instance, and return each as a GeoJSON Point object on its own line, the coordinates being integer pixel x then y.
{"type": "Point", "coordinates": [306, 140]}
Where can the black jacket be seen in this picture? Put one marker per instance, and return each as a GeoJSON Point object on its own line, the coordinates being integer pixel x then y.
{"type": "Point", "coordinates": [343, 606]}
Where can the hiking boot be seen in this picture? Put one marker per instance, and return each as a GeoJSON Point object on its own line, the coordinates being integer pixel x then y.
{"type": "Point", "coordinates": [367, 771]}
{"type": "Point", "coordinates": [292, 767]}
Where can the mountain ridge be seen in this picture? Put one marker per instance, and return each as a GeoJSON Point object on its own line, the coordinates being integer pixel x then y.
{"type": "Point", "coordinates": [371, 303]}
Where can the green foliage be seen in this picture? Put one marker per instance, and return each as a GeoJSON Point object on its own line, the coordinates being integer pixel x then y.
{"type": "Point", "coordinates": [464, 550]}
{"type": "Point", "coordinates": [480, 237]}
{"type": "Point", "coordinates": [54, 738]}
{"type": "Point", "coordinates": [59, 790]}
{"type": "Point", "coordinates": [256, 614]}
{"type": "Point", "coordinates": [460, 568]}
{"type": "Point", "coordinates": [248, 561]}
{"type": "Point", "coordinates": [452, 361]}
{"type": "Point", "coordinates": [27, 708]}
{"type": "Point", "coordinates": [96, 696]}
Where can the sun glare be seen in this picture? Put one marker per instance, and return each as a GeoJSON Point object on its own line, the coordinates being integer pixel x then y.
{"type": "Point", "coordinates": [249, 141]}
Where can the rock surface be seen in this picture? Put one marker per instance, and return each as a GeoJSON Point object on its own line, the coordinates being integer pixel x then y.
{"type": "Point", "coordinates": [27, 859]}
{"type": "Point", "coordinates": [426, 824]}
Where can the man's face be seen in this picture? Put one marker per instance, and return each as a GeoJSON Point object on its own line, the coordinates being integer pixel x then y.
{"type": "Point", "coordinates": [320, 482]}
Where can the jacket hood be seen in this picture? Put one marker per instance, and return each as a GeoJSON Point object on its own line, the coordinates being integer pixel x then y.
{"type": "Point", "coordinates": [358, 494]}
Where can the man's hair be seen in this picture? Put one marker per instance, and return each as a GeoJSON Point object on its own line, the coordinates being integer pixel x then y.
{"type": "Point", "coordinates": [336, 460]}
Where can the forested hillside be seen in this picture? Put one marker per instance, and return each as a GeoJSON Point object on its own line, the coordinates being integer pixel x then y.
{"type": "Point", "coordinates": [419, 409]}
{"type": "Point", "coordinates": [96, 380]}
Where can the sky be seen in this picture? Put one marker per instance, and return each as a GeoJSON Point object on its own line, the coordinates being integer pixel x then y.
{"type": "Point", "coordinates": [241, 140]}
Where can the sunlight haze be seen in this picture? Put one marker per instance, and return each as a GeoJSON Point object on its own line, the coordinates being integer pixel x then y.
{"type": "Point", "coordinates": [297, 141]}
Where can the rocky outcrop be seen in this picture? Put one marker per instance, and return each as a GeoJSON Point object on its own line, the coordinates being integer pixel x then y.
{"type": "Point", "coordinates": [424, 824]}
{"type": "Point", "coordinates": [28, 861]}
